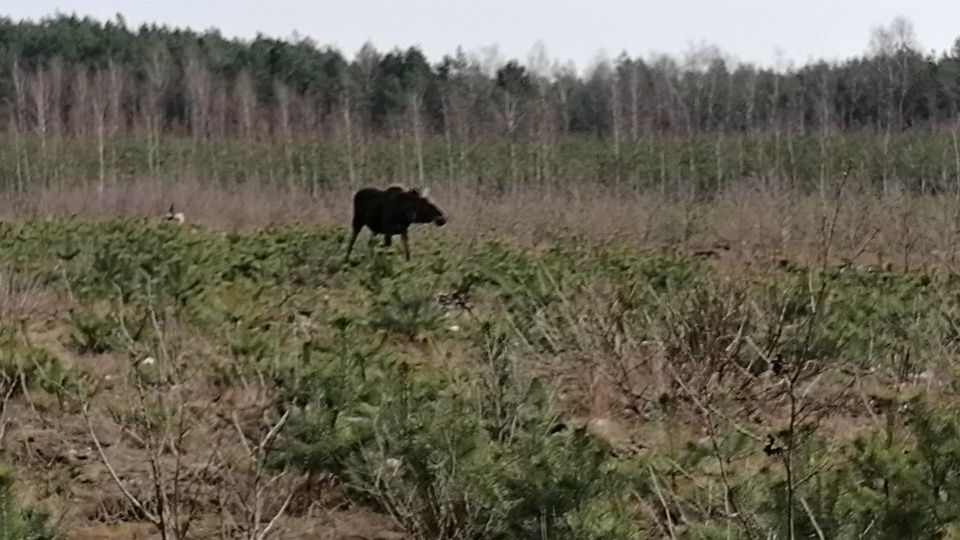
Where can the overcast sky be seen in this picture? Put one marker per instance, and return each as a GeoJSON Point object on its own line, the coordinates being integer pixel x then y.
{"type": "Point", "coordinates": [747, 30]}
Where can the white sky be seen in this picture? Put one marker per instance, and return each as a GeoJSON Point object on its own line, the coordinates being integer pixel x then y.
{"type": "Point", "coordinates": [747, 30]}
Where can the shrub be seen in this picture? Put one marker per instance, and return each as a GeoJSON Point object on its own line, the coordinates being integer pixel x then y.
{"type": "Point", "coordinates": [433, 453]}
{"type": "Point", "coordinates": [17, 523]}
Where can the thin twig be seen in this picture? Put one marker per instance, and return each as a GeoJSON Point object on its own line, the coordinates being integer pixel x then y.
{"type": "Point", "coordinates": [113, 473]}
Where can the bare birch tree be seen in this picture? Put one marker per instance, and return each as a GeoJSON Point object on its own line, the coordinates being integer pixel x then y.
{"type": "Point", "coordinates": [415, 106]}
{"type": "Point", "coordinates": [38, 96]}
{"type": "Point", "coordinates": [245, 102]}
{"type": "Point", "coordinates": [197, 78]}
{"type": "Point", "coordinates": [155, 84]}
{"type": "Point", "coordinates": [98, 107]}
{"type": "Point", "coordinates": [115, 116]}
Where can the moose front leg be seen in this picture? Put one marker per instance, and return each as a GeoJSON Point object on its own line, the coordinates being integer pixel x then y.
{"type": "Point", "coordinates": [406, 244]}
{"type": "Point", "coordinates": [353, 238]}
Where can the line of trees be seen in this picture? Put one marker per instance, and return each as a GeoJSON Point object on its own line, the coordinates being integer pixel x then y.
{"type": "Point", "coordinates": [204, 84]}
{"type": "Point", "coordinates": [664, 119]}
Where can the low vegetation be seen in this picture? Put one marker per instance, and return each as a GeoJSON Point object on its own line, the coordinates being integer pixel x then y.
{"type": "Point", "coordinates": [196, 383]}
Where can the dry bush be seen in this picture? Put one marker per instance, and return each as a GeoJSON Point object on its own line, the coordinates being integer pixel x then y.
{"type": "Point", "coordinates": [22, 296]}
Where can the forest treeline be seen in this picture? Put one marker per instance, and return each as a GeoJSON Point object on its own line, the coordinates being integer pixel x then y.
{"type": "Point", "coordinates": [204, 82]}
{"type": "Point", "coordinates": [68, 77]}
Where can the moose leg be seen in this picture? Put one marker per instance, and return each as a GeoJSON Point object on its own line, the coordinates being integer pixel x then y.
{"type": "Point", "coordinates": [406, 244]}
{"type": "Point", "coordinates": [353, 238]}
{"type": "Point", "coordinates": [387, 240]}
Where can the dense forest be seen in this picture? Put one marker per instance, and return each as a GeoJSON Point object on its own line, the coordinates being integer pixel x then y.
{"type": "Point", "coordinates": [71, 78]}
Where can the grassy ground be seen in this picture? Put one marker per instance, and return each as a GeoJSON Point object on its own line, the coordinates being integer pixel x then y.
{"type": "Point", "coordinates": [511, 381]}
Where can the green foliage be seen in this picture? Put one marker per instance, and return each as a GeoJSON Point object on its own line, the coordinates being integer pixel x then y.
{"type": "Point", "coordinates": [882, 485]}
{"type": "Point", "coordinates": [407, 311]}
{"type": "Point", "coordinates": [17, 523]}
{"type": "Point", "coordinates": [441, 475]}
{"type": "Point", "coordinates": [444, 467]}
{"type": "Point", "coordinates": [94, 332]}
{"type": "Point", "coordinates": [510, 401]}
{"type": "Point", "coordinates": [862, 316]}
{"type": "Point", "coordinates": [909, 490]}
{"type": "Point", "coordinates": [606, 518]}
{"type": "Point", "coordinates": [472, 446]}
{"type": "Point", "coordinates": [25, 367]}
{"type": "Point", "coordinates": [338, 385]}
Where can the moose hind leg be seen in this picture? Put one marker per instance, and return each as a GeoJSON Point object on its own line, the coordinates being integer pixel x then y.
{"type": "Point", "coordinates": [387, 240]}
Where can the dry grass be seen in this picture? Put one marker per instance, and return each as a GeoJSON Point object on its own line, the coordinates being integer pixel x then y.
{"type": "Point", "coordinates": [746, 224]}
{"type": "Point", "coordinates": [24, 298]}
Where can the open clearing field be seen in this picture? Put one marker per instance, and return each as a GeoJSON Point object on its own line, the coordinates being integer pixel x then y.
{"type": "Point", "coordinates": [676, 298]}
{"type": "Point", "coordinates": [236, 380]}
